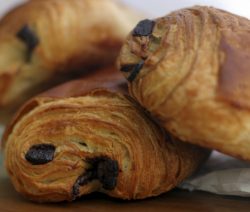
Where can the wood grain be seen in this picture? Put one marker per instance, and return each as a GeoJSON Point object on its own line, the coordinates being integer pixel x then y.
{"type": "Point", "coordinates": [175, 201]}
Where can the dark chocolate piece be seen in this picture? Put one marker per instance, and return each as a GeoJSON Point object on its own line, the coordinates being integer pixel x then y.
{"type": "Point", "coordinates": [136, 70]}
{"type": "Point", "coordinates": [144, 28]}
{"type": "Point", "coordinates": [103, 169]}
{"type": "Point", "coordinates": [40, 154]}
{"type": "Point", "coordinates": [81, 181]}
{"type": "Point", "coordinates": [29, 38]}
{"type": "Point", "coordinates": [107, 172]}
{"type": "Point", "coordinates": [128, 67]}
{"type": "Point", "coordinates": [83, 144]}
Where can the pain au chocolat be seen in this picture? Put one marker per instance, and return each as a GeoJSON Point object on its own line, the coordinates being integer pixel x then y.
{"type": "Point", "coordinates": [90, 136]}
{"type": "Point", "coordinates": [45, 42]}
{"type": "Point", "coordinates": [191, 70]}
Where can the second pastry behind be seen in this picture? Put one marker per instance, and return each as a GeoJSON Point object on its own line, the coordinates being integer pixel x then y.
{"type": "Point", "coordinates": [46, 42]}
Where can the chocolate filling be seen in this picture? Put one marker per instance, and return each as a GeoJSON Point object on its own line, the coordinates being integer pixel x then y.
{"type": "Point", "coordinates": [135, 71]}
{"type": "Point", "coordinates": [40, 154]}
{"type": "Point", "coordinates": [81, 181]}
{"type": "Point", "coordinates": [143, 28]}
{"type": "Point", "coordinates": [29, 38]}
{"type": "Point", "coordinates": [103, 169]}
{"type": "Point", "coordinates": [128, 67]}
{"type": "Point", "coordinates": [83, 144]}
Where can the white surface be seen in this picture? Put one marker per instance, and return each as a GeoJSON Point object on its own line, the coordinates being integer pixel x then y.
{"type": "Point", "coordinates": [221, 174]}
{"type": "Point", "coordinates": [6, 5]}
{"type": "Point", "coordinates": [162, 7]}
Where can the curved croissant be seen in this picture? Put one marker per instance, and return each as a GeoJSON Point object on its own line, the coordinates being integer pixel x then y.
{"type": "Point", "coordinates": [191, 70]}
{"type": "Point", "coordinates": [45, 42]}
{"type": "Point", "coordinates": [63, 145]}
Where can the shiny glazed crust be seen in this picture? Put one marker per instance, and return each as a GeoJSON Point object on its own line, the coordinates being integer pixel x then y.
{"type": "Point", "coordinates": [45, 42]}
{"type": "Point", "coordinates": [195, 77]}
{"type": "Point", "coordinates": [100, 122]}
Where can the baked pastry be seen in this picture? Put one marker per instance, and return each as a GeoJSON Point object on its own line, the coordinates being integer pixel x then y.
{"type": "Point", "coordinates": [190, 69]}
{"type": "Point", "coordinates": [46, 42]}
{"type": "Point", "coordinates": [99, 140]}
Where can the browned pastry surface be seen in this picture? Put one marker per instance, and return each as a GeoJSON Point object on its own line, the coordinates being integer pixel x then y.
{"type": "Point", "coordinates": [194, 76]}
{"type": "Point", "coordinates": [45, 42]}
{"type": "Point", "coordinates": [65, 144]}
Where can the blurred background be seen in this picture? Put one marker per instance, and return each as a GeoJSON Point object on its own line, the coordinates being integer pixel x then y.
{"type": "Point", "coordinates": [156, 8]}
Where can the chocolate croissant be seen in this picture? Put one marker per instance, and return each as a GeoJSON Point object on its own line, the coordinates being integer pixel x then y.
{"type": "Point", "coordinates": [190, 69]}
{"type": "Point", "coordinates": [46, 42]}
{"type": "Point", "coordinates": [62, 145]}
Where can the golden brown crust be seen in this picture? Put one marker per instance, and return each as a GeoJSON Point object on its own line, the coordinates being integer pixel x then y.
{"type": "Point", "coordinates": [100, 123]}
{"type": "Point", "coordinates": [45, 42]}
{"type": "Point", "coordinates": [108, 78]}
{"type": "Point", "coordinates": [234, 75]}
{"type": "Point", "coordinates": [195, 75]}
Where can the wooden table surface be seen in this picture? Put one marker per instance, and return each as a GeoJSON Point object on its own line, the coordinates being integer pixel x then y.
{"type": "Point", "coordinates": [176, 200]}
